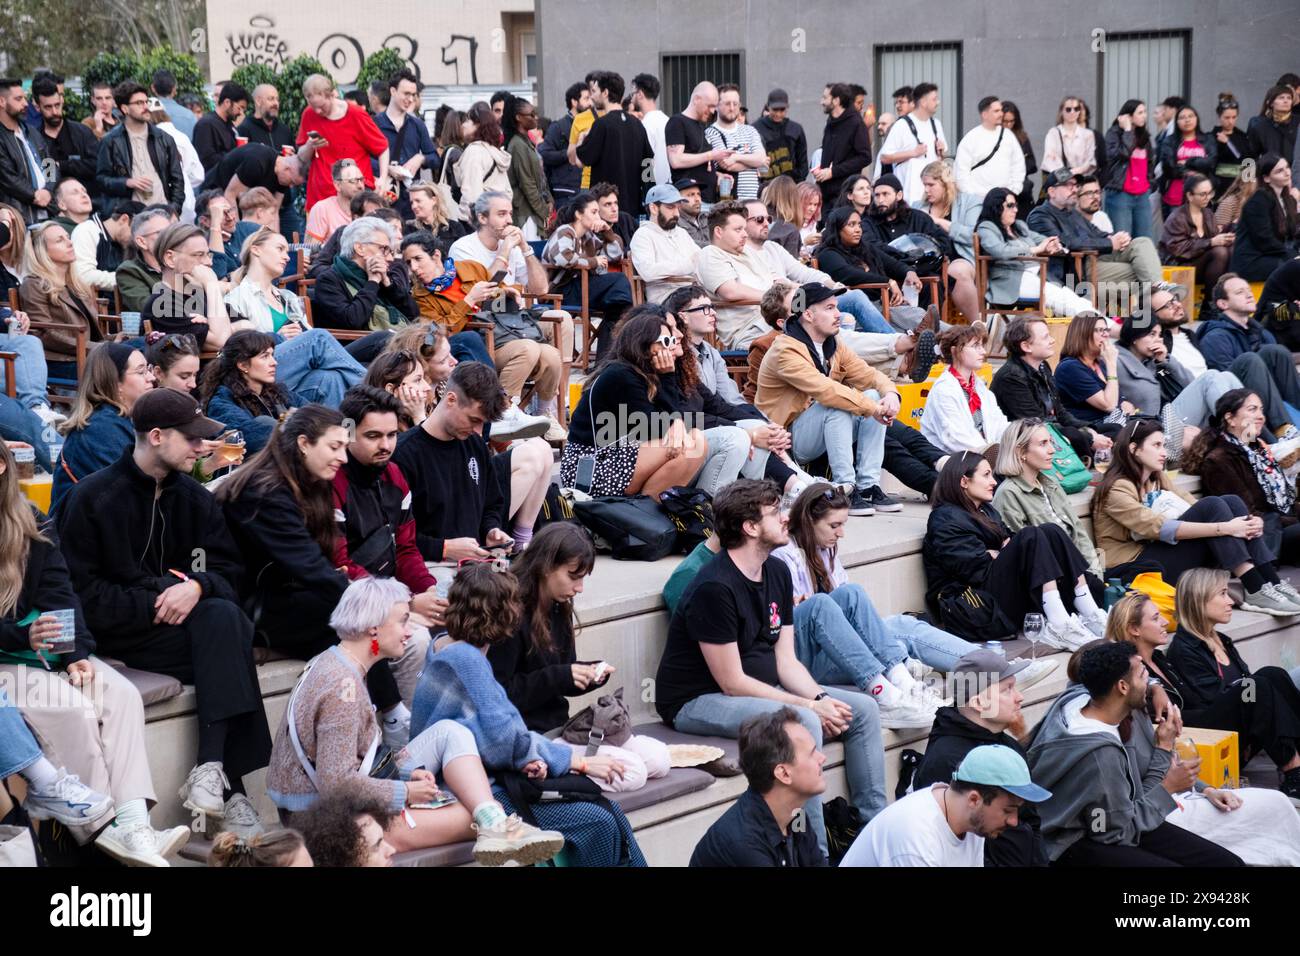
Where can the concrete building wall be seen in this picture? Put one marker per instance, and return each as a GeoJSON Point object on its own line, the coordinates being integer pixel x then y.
{"type": "Point", "coordinates": [1031, 51]}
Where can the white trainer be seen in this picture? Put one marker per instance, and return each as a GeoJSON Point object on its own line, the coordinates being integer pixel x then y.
{"type": "Point", "coordinates": [514, 423]}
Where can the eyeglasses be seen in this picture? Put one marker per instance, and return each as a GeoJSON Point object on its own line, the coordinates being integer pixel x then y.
{"type": "Point", "coordinates": [430, 339]}
{"type": "Point", "coordinates": [706, 308]}
{"type": "Point", "coordinates": [137, 103]}
{"type": "Point", "coordinates": [1089, 192]}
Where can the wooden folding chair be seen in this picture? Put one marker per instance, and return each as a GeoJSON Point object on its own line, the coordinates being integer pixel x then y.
{"type": "Point", "coordinates": [82, 336]}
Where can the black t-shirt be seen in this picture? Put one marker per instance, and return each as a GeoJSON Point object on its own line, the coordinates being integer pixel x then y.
{"type": "Point", "coordinates": [684, 131]}
{"type": "Point", "coordinates": [617, 149]}
{"type": "Point", "coordinates": [722, 606]}
{"type": "Point", "coordinates": [169, 311]}
{"type": "Point", "coordinates": [254, 164]}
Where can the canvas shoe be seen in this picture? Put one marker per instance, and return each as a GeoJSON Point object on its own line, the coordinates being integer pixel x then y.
{"type": "Point", "coordinates": [171, 840]}
{"type": "Point", "coordinates": [880, 501]}
{"type": "Point", "coordinates": [132, 846]}
{"type": "Point", "coordinates": [514, 423]}
{"type": "Point", "coordinates": [204, 790]}
{"type": "Point", "coordinates": [514, 841]}
{"type": "Point", "coordinates": [1270, 600]}
{"type": "Point", "coordinates": [859, 505]}
{"type": "Point", "coordinates": [67, 800]}
{"type": "Point", "coordinates": [1036, 671]}
{"type": "Point", "coordinates": [906, 714]}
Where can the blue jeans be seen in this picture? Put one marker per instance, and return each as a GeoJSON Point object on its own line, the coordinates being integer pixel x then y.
{"type": "Point", "coordinates": [854, 444]}
{"type": "Point", "coordinates": [18, 423]}
{"type": "Point", "coordinates": [29, 368]}
{"type": "Point", "coordinates": [317, 367]}
{"type": "Point", "coordinates": [867, 318]}
{"type": "Point", "coordinates": [469, 347]}
{"type": "Point", "coordinates": [718, 715]}
{"type": "Point", "coordinates": [927, 643]}
{"type": "Point", "coordinates": [1129, 213]}
{"type": "Point", "coordinates": [18, 748]}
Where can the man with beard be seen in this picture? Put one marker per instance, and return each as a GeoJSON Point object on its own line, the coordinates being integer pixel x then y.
{"type": "Point", "coordinates": [729, 131]}
{"type": "Point", "coordinates": [693, 219]}
{"type": "Point", "coordinates": [890, 217]}
{"type": "Point", "coordinates": [73, 147]}
{"type": "Point", "coordinates": [663, 254]}
{"type": "Point", "coordinates": [783, 139]}
{"type": "Point", "coordinates": [986, 711]}
{"type": "Point", "coordinates": [846, 144]}
{"type": "Point", "coordinates": [616, 148]}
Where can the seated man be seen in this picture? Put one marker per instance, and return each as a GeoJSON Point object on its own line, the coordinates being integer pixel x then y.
{"type": "Point", "coordinates": [217, 218]}
{"type": "Point", "coordinates": [1026, 388]}
{"type": "Point", "coordinates": [140, 272]}
{"type": "Point", "coordinates": [334, 212]}
{"type": "Point", "coordinates": [663, 252]}
{"type": "Point", "coordinates": [365, 203]}
{"type": "Point", "coordinates": [831, 401]}
{"type": "Point", "coordinates": [1167, 307]}
{"type": "Point", "coordinates": [1090, 203]}
{"type": "Point", "coordinates": [766, 826]}
{"type": "Point", "coordinates": [101, 245]}
{"type": "Point", "coordinates": [364, 288]}
{"type": "Point", "coordinates": [1124, 260]}
{"type": "Point", "coordinates": [730, 654]}
{"type": "Point", "coordinates": [1100, 812]}
{"type": "Point", "coordinates": [621, 222]}
{"type": "Point", "coordinates": [950, 824]}
{"type": "Point", "coordinates": [129, 567]}
{"type": "Point", "coordinates": [1150, 379]}
{"type": "Point", "coordinates": [986, 711]}
{"type": "Point", "coordinates": [457, 484]}
{"type": "Point", "coordinates": [1234, 342]}
{"type": "Point", "coordinates": [693, 218]}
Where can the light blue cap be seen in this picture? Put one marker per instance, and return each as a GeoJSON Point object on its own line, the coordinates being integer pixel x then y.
{"type": "Point", "coordinates": [995, 765]}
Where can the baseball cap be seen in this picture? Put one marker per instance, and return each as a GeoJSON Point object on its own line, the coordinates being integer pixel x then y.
{"type": "Point", "coordinates": [976, 670]}
{"type": "Point", "coordinates": [687, 183]}
{"type": "Point", "coordinates": [170, 408]}
{"type": "Point", "coordinates": [995, 765]}
{"type": "Point", "coordinates": [812, 293]}
{"type": "Point", "coordinates": [1061, 177]}
{"type": "Point", "coordinates": [778, 99]}
{"type": "Point", "coordinates": [663, 194]}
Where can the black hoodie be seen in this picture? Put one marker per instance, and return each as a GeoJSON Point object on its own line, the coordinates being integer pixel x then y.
{"type": "Point", "coordinates": [952, 737]}
{"type": "Point", "coordinates": [846, 151]}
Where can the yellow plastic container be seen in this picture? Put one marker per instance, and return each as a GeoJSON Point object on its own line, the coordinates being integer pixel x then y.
{"type": "Point", "coordinates": [575, 393]}
{"type": "Point", "coordinates": [912, 395]}
{"type": "Point", "coordinates": [1220, 757]}
{"type": "Point", "coordinates": [38, 490]}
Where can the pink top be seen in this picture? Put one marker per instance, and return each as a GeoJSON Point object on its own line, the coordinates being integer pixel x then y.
{"type": "Point", "coordinates": [1136, 180]}
{"type": "Point", "coordinates": [324, 218]}
{"type": "Point", "coordinates": [1188, 149]}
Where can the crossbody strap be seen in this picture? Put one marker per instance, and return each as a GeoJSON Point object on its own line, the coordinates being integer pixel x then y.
{"type": "Point", "coordinates": [996, 147]}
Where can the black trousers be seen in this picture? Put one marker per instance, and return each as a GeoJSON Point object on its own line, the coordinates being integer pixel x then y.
{"type": "Point", "coordinates": [910, 458]}
{"type": "Point", "coordinates": [1224, 552]}
{"type": "Point", "coordinates": [1264, 709]}
{"type": "Point", "coordinates": [1166, 845]}
{"type": "Point", "coordinates": [365, 350]}
{"type": "Point", "coordinates": [1035, 555]}
{"type": "Point", "coordinates": [1282, 542]}
{"type": "Point", "coordinates": [213, 650]}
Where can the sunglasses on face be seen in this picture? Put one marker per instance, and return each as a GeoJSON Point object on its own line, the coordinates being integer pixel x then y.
{"type": "Point", "coordinates": [1070, 109]}
{"type": "Point", "coordinates": [668, 341]}
{"type": "Point", "coordinates": [1010, 204]}
{"type": "Point", "coordinates": [760, 219]}
{"type": "Point", "coordinates": [180, 342]}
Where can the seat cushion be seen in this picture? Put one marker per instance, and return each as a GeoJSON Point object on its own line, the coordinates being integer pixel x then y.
{"type": "Point", "coordinates": [662, 732]}
{"type": "Point", "coordinates": [453, 854]}
{"type": "Point", "coordinates": [153, 688]}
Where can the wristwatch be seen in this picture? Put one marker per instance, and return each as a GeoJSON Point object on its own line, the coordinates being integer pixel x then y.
{"type": "Point", "coordinates": [820, 696]}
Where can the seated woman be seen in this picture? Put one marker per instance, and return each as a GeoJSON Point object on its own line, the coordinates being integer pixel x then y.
{"type": "Point", "coordinates": [53, 293]}
{"type": "Point", "coordinates": [583, 240]}
{"type": "Point", "coordinates": [1029, 496]}
{"type": "Point", "coordinates": [329, 736]}
{"type": "Point", "coordinates": [429, 216]}
{"type": "Point", "coordinates": [401, 374]}
{"type": "Point", "coordinates": [1006, 238]}
{"type": "Point", "coordinates": [637, 449]}
{"type": "Point", "coordinates": [1257, 824]}
{"type": "Point", "coordinates": [239, 388]}
{"type": "Point", "coordinates": [274, 848]}
{"type": "Point", "coordinates": [1269, 231]}
{"type": "Point", "coordinates": [188, 298]}
{"type": "Point", "coordinates": [538, 664]}
{"type": "Point", "coordinates": [1232, 460]}
{"type": "Point", "coordinates": [982, 580]}
{"type": "Point", "coordinates": [99, 429]}
{"type": "Point", "coordinates": [13, 249]}
{"type": "Point", "coordinates": [458, 685]}
{"type": "Point", "coordinates": [442, 299]}
{"type": "Point", "coordinates": [1227, 214]}
{"type": "Point", "coordinates": [1087, 375]}
{"type": "Point", "coordinates": [938, 201]}
{"type": "Point", "coordinates": [961, 413]}
{"type": "Point", "coordinates": [1138, 514]}
{"type": "Point", "coordinates": [364, 288]}
{"type": "Point", "coordinates": [856, 194]}
{"type": "Point", "coordinates": [1207, 671]}
{"type": "Point", "coordinates": [62, 685]}
{"type": "Point", "coordinates": [849, 261]}
{"type": "Point", "coordinates": [310, 362]}
{"type": "Point", "coordinates": [1191, 237]}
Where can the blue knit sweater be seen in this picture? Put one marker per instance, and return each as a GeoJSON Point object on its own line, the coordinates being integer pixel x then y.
{"type": "Point", "coordinates": [458, 684]}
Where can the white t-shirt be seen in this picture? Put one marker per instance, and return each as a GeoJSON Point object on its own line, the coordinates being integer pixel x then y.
{"type": "Point", "coordinates": [471, 247]}
{"type": "Point", "coordinates": [913, 832]}
{"type": "Point", "coordinates": [1102, 222]}
{"type": "Point", "coordinates": [901, 138]}
{"type": "Point", "coordinates": [655, 122]}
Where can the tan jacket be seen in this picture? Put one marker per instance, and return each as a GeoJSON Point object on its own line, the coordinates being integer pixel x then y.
{"type": "Point", "coordinates": [61, 309]}
{"type": "Point", "coordinates": [1125, 515]}
{"type": "Point", "coordinates": [789, 381]}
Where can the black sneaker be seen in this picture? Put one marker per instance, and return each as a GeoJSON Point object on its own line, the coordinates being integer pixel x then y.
{"type": "Point", "coordinates": [1290, 785]}
{"type": "Point", "coordinates": [925, 356]}
{"type": "Point", "coordinates": [859, 505]}
{"type": "Point", "coordinates": [879, 501]}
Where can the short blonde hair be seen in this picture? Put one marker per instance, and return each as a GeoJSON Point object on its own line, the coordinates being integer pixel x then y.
{"type": "Point", "coordinates": [317, 81]}
{"type": "Point", "coordinates": [259, 197]}
{"type": "Point", "coordinates": [1193, 592]}
{"type": "Point", "coordinates": [1015, 441]}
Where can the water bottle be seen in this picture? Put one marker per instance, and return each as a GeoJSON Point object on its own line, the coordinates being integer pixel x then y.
{"type": "Point", "coordinates": [1114, 591]}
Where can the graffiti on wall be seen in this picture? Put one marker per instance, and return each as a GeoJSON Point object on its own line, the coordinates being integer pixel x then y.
{"type": "Point", "coordinates": [258, 44]}
{"type": "Point", "coordinates": [343, 55]}
{"type": "Point", "coordinates": [471, 45]}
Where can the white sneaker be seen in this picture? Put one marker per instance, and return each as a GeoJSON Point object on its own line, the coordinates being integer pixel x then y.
{"type": "Point", "coordinates": [1096, 624]}
{"type": "Point", "coordinates": [514, 841]}
{"type": "Point", "coordinates": [915, 668]}
{"type": "Point", "coordinates": [241, 818]}
{"type": "Point", "coordinates": [397, 733]}
{"type": "Point", "coordinates": [67, 800]}
{"type": "Point", "coordinates": [204, 790]}
{"type": "Point", "coordinates": [1036, 671]}
{"type": "Point", "coordinates": [1069, 637]}
{"type": "Point", "coordinates": [134, 846]}
{"type": "Point", "coordinates": [171, 840]}
{"type": "Point", "coordinates": [906, 715]}
{"type": "Point", "coordinates": [48, 415]}
{"type": "Point", "coordinates": [555, 431]}
{"type": "Point", "coordinates": [514, 423]}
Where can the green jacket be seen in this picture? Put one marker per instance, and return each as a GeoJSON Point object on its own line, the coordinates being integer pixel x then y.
{"type": "Point", "coordinates": [135, 283]}
{"type": "Point", "coordinates": [531, 199]}
{"type": "Point", "coordinates": [1021, 504]}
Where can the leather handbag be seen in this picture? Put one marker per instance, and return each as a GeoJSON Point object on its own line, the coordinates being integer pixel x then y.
{"type": "Point", "coordinates": [629, 527]}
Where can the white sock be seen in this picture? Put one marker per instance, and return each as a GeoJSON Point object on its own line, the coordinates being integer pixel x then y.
{"type": "Point", "coordinates": [132, 813]}
{"type": "Point", "coordinates": [1085, 605]}
{"type": "Point", "coordinates": [886, 694]}
{"type": "Point", "coordinates": [901, 677]}
{"type": "Point", "coordinates": [41, 775]}
{"type": "Point", "coordinates": [1054, 609]}
{"type": "Point", "coordinates": [398, 714]}
{"type": "Point", "coordinates": [550, 407]}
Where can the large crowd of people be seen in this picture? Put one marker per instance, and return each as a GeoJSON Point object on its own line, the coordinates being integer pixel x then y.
{"type": "Point", "coordinates": [308, 394]}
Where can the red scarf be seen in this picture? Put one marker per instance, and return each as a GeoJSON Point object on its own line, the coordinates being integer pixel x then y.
{"type": "Point", "coordinates": [972, 396]}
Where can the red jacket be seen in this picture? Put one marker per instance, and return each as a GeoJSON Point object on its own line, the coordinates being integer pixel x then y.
{"type": "Point", "coordinates": [366, 501]}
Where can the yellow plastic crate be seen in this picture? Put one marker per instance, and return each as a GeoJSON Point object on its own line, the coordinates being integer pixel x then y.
{"type": "Point", "coordinates": [912, 395]}
{"type": "Point", "coordinates": [1220, 756]}
{"type": "Point", "coordinates": [575, 393]}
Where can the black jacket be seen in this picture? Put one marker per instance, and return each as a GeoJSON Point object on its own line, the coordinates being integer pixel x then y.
{"type": "Point", "coordinates": [75, 149]}
{"type": "Point", "coordinates": [1171, 170]}
{"type": "Point", "coordinates": [956, 546]}
{"type": "Point", "coordinates": [213, 138]}
{"type": "Point", "coordinates": [334, 307]}
{"type": "Point", "coordinates": [1259, 243]}
{"type": "Point", "coordinates": [786, 146]}
{"type": "Point", "coordinates": [706, 409]}
{"type": "Point", "coordinates": [16, 186]}
{"type": "Point", "coordinates": [538, 683]}
{"type": "Point", "coordinates": [1026, 392]}
{"type": "Point", "coordinates": [952, 737]}
{"type": "Point", "coordinates": [276, 136]}
{"type": "Point", "coordinates": [1119, 147]}
{"type": "Point", "coordinates": [46, 587]}
{"type": "Point", "coordinates": [113, 167]}
{"type": "Point", "coordinates": [882, 267]}
{"type": "Point", "coordinates": [846, 149]}
{"type": "Point", "coordinates": [120, 557]}
{"type": "Point", "coordinates": [1075, 232]}
{"type": "Point", "coordinates": [909, 221]}
{"type": "Point", "coordinates": [1195, 671]}
{"type": "Point", "coordinates": [560, 173]}
{"type": "Point", "coordinates": [1268, 136]}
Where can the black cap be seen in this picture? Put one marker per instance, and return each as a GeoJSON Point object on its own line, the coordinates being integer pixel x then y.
{"type": "Point", "coordinates": [687, 183]}
{"type": "Point", "coordinates": [778, 99]}
{"type": "Point", "coordinates": [808, 295]}
{"type": "Point", "coordinates": [1061, 177]}
{"type": "Point", "coordinates": [170, 408]}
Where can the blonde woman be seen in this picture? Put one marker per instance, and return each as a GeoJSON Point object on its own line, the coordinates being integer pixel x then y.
{"type": "Point", "coordinates": [781, 196]}
{"type": "Point", "coordinates": [938, 198]}
{"type": "Point", "coordinates": [810, 214]}
{"type": "Point", "coordinates": [52, 292]}
{"type": "Point", "coordinates": [429, 216]}
{"type": "Point", "coordinates": [13, 248]}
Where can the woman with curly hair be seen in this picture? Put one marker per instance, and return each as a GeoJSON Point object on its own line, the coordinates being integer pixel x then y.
{"type": "Point", "coordinates": [240, 391]}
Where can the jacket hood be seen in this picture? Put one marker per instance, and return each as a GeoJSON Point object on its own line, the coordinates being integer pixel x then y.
{"type": "Point", "coordinates": [1055, 752]}
{"type": "Point", "coordinates": [794, 328]}
{"type": "Point", "coordinates": [950, 722]}
{"type": "Point", "coordinates": [499, 155]}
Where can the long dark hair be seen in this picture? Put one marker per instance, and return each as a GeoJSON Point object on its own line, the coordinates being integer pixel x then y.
{"type": "Point", "coordinates": [509, 125]}
{"type": "Point", "coordinates": [849, 185]}
{"type": "Point", "coordinates": [280, 463]}
{"type": "Point", "coordinates": [1284, 212]}
{"type": "Point", "coordinates": [811, 506]}
{"type": "Point", "coordinates": [991, 211]}
{"type": "Point", "coordinates": [486, 127]}
{"type": "Point", "coordinates": [557, 545]}
{"type": "Point", "coordinates": [389, 368]}
{"type": "Point", "coordinates": [1140, 135]}
{"type": "Point", "coordinates": [569, 211]}
{"type": "Point", "coordinates": [244, 346]}
{"type": "Point", "coordinates": [637, 333]}
{"type": "Point", "coordinates": [835, 221]}
{"type": "Point", "coordinates": [688, 368]}
{"type": "Point", "coordinates": [948, 489]}
{"type": "Point", "coordinates": [1123, 462]}
{"type": "Point", "coordinates": [1018, 127]}
{"type": "Point", "coordinates": [1229, 403]}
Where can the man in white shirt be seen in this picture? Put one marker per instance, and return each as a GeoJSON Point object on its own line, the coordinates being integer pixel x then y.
{"type": "Point", "coordinates": [728, 132]}
{"type": "Point", "coordinates": [947, 824]}
{"type": "Point", "coordinates": [915, 140]}
{"type": "Point", "coordinates": [988, 156]}
{"type": "Point", "coordinates": [645, 100]}
{"type": "Point", "coordinates": [663, 253]}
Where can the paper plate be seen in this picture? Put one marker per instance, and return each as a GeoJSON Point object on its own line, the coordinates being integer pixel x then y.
{"type": "Point", "coordinates": [693, 755]}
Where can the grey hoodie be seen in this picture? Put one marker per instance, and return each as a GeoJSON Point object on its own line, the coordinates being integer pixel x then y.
{"type": "Point", "coordinates": [1101, 789]}
{"type": "Point", "coordinates": [1138, 383]}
